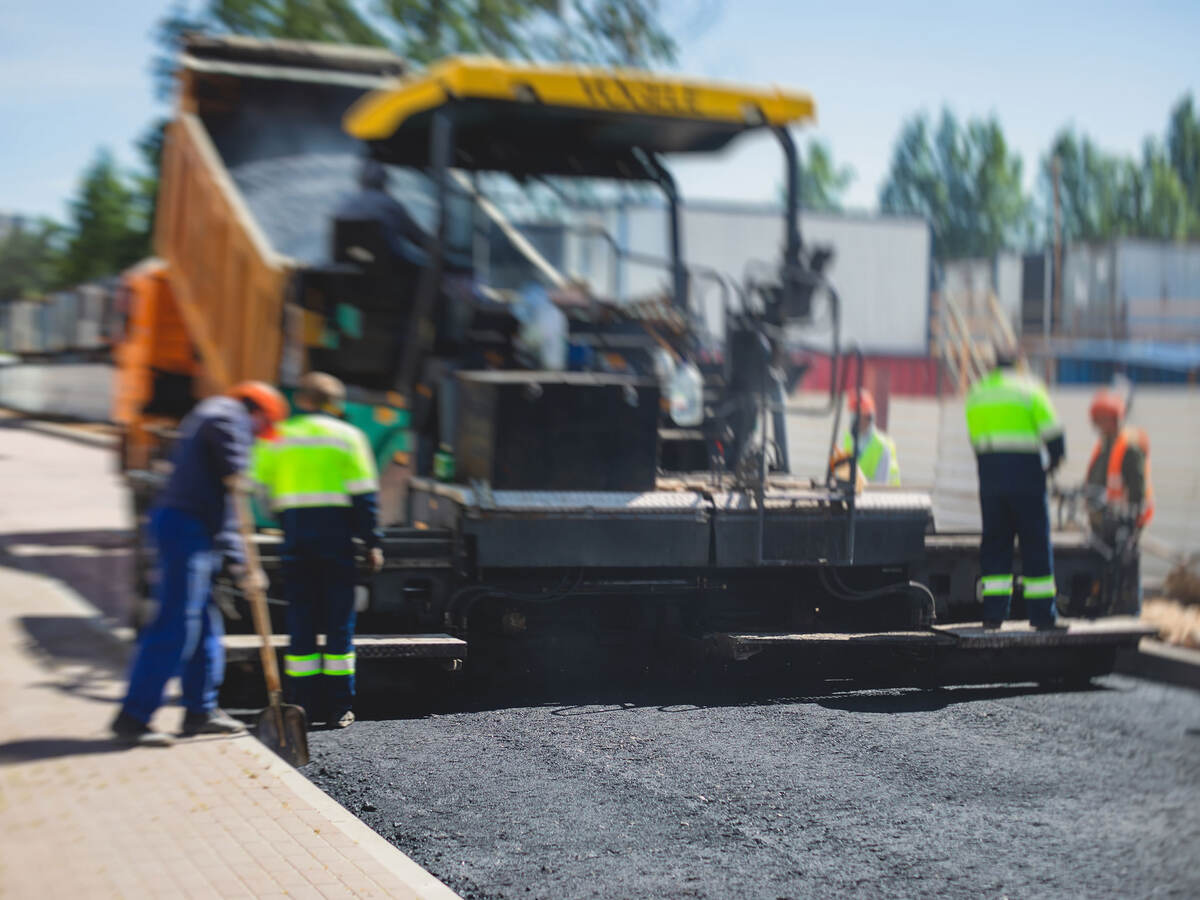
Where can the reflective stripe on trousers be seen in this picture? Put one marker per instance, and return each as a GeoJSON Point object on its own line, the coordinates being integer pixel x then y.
{"type": "Point", "coordinates": [997, 585]}
{"type": "Point", "coordinates": [338, 663]}
{"type": "Point", "coordinates": [1038, 587]}
{"type": "Point", "coordinates": [301, 666]}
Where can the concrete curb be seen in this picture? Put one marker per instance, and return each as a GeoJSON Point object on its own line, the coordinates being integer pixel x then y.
{"type": "Point", "coordinates": [423, 884]}
{"type": "Point", "coordinates": [1156, 661]}
{"type": "Point", "coordinates": [64, 432]}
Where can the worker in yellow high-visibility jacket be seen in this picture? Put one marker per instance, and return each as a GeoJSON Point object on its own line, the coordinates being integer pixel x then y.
{"type": "Point", "coordinates": [1012, 423]}
{"type": "Point", "coordinates": [877, 458]}
{"type": "Point", "coordinates": [319, 474]}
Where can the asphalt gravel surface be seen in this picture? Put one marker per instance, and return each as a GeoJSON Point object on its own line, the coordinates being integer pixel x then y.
{"type": "Point", "coordinates": [728, 792]}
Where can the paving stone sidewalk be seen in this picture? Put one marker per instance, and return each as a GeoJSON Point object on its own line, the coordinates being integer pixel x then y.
{"type": "Point", "coordinates": [208, 817]}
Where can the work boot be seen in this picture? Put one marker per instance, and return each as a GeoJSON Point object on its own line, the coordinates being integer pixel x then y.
{"type": "Point", "coordinates": [344, 720]}
{"type": "Point", "coordinates": [215, 721]}
{"type": "Point", "coordinates": [128, 730]}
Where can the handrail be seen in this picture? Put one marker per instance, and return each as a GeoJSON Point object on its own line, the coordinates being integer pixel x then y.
{"type": "Point", "coordinates": [1000, 319]}
{"type": "Point", "coordinates": [977, 363]}
{"type": "Point", "coordinates": [647, 259]}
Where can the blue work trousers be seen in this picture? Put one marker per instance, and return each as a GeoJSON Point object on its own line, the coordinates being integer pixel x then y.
{"type": "Point", "coordinates": [185, 637]}
{"type": "Point", "coordinates": [319, 589]}
{"type": "Point", "coordinates": [1025, 516]}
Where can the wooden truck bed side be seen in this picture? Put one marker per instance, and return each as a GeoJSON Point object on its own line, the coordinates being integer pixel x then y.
{"type": "Point", "coordinates": [227, 281]}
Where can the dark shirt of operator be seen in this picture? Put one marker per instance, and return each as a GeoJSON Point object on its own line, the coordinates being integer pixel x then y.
{"type": "Point", "coordinates": [373, 203]}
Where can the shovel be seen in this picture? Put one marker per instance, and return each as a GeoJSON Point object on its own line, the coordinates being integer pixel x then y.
{"type": "Point", "coordinates": [281, 726]}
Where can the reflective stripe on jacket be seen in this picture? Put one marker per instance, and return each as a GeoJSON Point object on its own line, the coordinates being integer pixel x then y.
{"type": "Point", "coordinates": [876, 457]}
{"type": "Point", "coordinates": [1010, 413]}
{"type": "Point", "coordinates": [315, 461]}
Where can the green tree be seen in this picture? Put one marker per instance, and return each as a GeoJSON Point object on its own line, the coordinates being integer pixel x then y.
{"type": "Point", "coordinates": [1160, 206]}
{"type": "Point", "coordinates": [1093, 187]}
{"type": "Point", "coordinates": [425, 30]}
{"type": "Point", "coordinates": [1104, 196]}
{"type": "Point", "coordinates": [29, 259]}
{"type": "Point", "coordinates": [336, 21]}
{"type": "Point", "coordinates": [619, 32]}
{"type": "Point", "coordinates": [144, 183]}
{"type": "Point", "coordinates": [822, 182]}
{"type": "Point", "coordinates": [963, 180]}
{"type": "Point", "coordinates": [1183, 148]}
{"type": "Point", "coordinates": [108, 230]}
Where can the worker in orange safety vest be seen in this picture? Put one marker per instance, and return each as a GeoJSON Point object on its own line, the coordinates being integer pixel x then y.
{"type": "Point", "coordinates": [1121, 501]}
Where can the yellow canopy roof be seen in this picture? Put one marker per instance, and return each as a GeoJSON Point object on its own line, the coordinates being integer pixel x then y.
{"type": "Point", "coordinates": [380, 113]}
{"type": "Point", "coordinates": [532, 111]}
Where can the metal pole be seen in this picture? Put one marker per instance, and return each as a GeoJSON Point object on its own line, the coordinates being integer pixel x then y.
{"type": "Point", "coordinates": [417, 336]}
{"type": "Point", "coordinates": [1047, 294]}
{"type": "Point", "coordinates": [792, 242]}
{"type": "Point", "coordinates": [662, 176]}
{"type": "Point", "coordinates": [851, 517]}
{"type": "Point", "coordinates": [623, 241]}
{"type": "Point", "coordinates": [1056, 168]}
{"type": "Point", "coordinates": [779, 420]}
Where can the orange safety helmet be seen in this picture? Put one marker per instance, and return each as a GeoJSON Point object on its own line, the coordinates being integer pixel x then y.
{"type": "Point", "coordinates": [1107, 403]}
{"type": "Point", "coordinates": [862, 403]}
{"type": "Point", "coordinates": [266, 398]}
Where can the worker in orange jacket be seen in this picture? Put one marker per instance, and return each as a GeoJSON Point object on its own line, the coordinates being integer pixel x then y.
{"type": "Point", "coordinates": [1121, 497]}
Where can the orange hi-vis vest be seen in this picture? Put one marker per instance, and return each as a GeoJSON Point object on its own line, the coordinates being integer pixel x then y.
{"type": "Point", "coordinates": [1114, 483]}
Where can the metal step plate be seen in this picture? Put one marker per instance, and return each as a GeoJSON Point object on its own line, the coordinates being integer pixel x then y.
{"type": "Point", "coordinates": [1118, 631]}
{"type": "Point", "coordinates": [244, 647]}
{"type": "Point", "coordinates": [739, 646]}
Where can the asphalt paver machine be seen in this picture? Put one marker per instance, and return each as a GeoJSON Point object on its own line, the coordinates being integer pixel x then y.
{"type": "Point", "coordinates": [539, 499]}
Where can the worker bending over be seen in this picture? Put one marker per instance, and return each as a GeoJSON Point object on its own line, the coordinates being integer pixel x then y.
{"type": "Point", "coordinates": [1121, 502]}
{"type": "Point", "coordinates": [194, 528]}
{"type": "Point", "coordinates": [877, 458]}
{"type": "Point", "coordinates": [320, 476]}
{"type": "Point", "coordinates": [1011, 422]}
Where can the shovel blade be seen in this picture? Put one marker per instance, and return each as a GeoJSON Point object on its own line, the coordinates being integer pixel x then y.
{"type": "Point", "coordinates": [284, 728]}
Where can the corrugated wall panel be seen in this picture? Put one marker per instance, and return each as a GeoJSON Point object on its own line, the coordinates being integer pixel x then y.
{"type": "Point", "coordinates": [1158, 285]}
{"type": "Point", "coordinates": [880, 267]}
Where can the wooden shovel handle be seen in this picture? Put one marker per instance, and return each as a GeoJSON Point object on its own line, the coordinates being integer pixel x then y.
{"type": "Point", "coordinates": [257, 596]}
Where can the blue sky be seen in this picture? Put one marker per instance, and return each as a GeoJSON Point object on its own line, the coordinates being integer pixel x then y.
{"type": "Point", "coordinates": [74, 75]}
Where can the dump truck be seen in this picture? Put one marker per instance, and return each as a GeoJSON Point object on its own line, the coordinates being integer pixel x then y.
{"type": "Point", "coordinates": [587, 494]}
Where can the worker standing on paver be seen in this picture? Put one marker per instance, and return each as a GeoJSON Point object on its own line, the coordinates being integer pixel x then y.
{"type": "Point", "coordinates": [1012, 423]}
{"type": "Point", "coordinates": [373, 203]}
{"type": "Point", "coordinates": [877, 458]}
{"type": "Point", "coordinates": [194, 528]}
{"type": "Point", "coordinates": [320, 476]}
{"type": "Point", "coordinates": [1121, 497]}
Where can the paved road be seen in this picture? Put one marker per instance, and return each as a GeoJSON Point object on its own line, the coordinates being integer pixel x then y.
{"type": "Point", "coordinates": [692, 792]}
{"type": "Point", "coordinates": [969, 792]}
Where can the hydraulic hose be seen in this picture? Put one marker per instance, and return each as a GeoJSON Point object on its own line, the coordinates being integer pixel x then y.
{"type": "Point", "coordinates": [833, 583]}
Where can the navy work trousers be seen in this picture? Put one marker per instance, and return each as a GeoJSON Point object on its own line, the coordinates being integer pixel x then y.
{"type": "Point", "coordinates": [319, 589]}
{"type": "Point", "coordinates": [185, 637]}
{"type": "Point", "coordinates": [1025, 515]}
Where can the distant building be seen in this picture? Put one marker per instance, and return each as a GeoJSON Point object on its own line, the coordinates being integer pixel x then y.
{"type": "Point", "coordinates": [1128, 305]}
